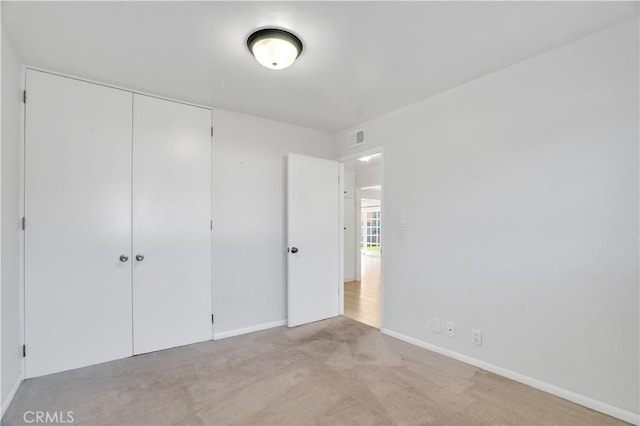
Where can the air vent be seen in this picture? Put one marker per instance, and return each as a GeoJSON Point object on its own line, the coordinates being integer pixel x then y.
{"type": "Point", "coordinates": [356, 138]}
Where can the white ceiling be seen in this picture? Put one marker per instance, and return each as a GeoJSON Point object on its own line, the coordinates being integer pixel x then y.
{"type": "Point", "coordinates": [360, 60]}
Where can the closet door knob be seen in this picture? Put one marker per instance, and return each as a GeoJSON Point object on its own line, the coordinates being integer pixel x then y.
{"type": "Point", "coordinates": [123, 258]}
{"type": "Point", "coordinates": [139, 257]}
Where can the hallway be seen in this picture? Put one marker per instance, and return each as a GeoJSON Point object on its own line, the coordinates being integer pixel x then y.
{"type": "Point", "coordinates": [362, 298]}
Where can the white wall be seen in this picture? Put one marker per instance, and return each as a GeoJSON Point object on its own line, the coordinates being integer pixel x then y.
{"type": "Point", "coordinates": [521, 196]}
{"type": "Point", "coordinates": [11, 323]}
{"type": "Point", "coordinates": [369, 175]}
{"type": "Point", "coordinates": [249, 216]}
{"type": "Point", "coordinates": [371, 194]}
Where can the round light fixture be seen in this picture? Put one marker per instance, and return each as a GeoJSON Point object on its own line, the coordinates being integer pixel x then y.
{"type": "Point", "coordinates": [274, 48]}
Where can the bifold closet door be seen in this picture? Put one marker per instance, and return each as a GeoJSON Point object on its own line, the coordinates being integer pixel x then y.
{"type": "Point", "coordinates": [78, 223]}
{"type": "Point", "coordinates": [171, 224]}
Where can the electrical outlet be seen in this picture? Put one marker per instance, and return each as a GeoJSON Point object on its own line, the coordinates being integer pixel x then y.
{"type": "Point", "coordinates": [476, 337]}
{"type": "Point", "coordinates": [451, 328]}
{"type": "Point", "coordinates": [435, 325]}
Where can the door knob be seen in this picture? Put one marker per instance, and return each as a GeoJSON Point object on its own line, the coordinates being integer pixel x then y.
{"type": "Point", "coordinates": [139, 257]}
{"type": "Point", "coordinates": [123, 258]}
{"type": "Point", "coordinates": [294, 250]}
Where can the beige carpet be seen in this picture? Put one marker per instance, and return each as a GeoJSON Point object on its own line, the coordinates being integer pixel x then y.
{"type": "Point", "coordinates": [332, 372]}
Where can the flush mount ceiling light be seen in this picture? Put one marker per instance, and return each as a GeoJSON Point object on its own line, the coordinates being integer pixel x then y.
{"type": "Point", "coordinates": [274, 48]}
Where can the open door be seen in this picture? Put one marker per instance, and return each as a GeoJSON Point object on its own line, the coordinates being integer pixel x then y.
{"type": "Point", "coordinates": [313, 233]}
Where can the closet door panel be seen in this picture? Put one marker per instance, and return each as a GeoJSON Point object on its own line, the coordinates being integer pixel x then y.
{"type": "Point", "coordinates": [171, 224]}
{"type": "Point", "coordinates": [78, 223]}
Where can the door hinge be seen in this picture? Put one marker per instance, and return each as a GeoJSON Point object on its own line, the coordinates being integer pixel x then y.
{"type": "Point", "coordinates": [338, 178]}
{"type": "Point", "coordinates": [24, 222]}
{"type": "Point", "coordinates": [24, 96]}
{"type": "Point", "coordinates": [211, 131]}
{"type": "Point", "coordinates": [212, 319]}
{"type": "Point", "coordinates": [24, 351]}
{"type": "Point", "coordinates": [211, 224]}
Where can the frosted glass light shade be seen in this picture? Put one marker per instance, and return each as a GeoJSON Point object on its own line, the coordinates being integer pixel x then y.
{"type": "Point", "coordinates": [274, 48]}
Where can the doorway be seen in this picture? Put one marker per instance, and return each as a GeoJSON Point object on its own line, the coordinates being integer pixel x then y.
{"type": "Point", "coordinates": [363, 239]}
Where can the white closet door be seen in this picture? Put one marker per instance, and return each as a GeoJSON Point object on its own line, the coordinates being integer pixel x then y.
{"type": "Point", "coordinates": [78, 223]}
{"type": "Point", "coordinates": [171, 224]}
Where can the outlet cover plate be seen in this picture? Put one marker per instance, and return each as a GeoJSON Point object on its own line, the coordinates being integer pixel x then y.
{"type": "Point", "coordinates": [451, 328]}
{"type": "Point", "coordinates": [435, 325]}
{"type": "Point", "coordinates": [476, 337]}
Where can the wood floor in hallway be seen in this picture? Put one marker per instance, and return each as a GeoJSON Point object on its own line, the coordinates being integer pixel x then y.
{"type": "Point", "coordinates": [362, 298]}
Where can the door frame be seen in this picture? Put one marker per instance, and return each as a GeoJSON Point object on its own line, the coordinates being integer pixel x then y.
{"type": "Point", "coordinates": [21, 189]}
{"type": "Point", "coordinates": [342, 160]}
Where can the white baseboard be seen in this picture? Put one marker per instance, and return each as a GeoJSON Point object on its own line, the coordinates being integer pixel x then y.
{"type": "Point", "coordinates": [239, 331]}
{"type": "Point", "coordinates": [7, 401]}
{"type": "Point", "coordinates": [596, 405]}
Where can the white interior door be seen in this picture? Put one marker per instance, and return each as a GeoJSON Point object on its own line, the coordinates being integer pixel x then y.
{"type": "Point", "coordinates": [171, 224]}
{"type": "Point", "coordinates": [78, 223]}
{"type": "Point", "coordinates": [313, 233]}
{"type": "Point", "coordinates": [349, 239]}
